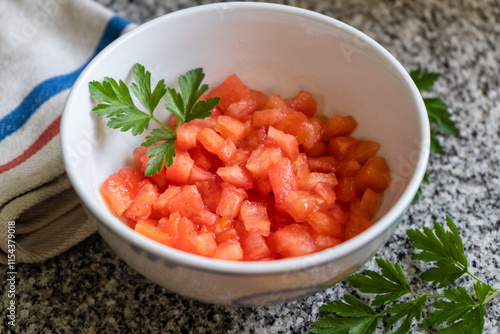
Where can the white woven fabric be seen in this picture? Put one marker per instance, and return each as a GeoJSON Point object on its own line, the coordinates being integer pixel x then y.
{"type": "Point", "coordinates": [44, 45]}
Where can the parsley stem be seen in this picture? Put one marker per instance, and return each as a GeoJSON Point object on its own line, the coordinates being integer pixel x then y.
{"type": "Point", "coordinates": [163, 125]}
{"type": "Point", "coordinates": [493, 295]}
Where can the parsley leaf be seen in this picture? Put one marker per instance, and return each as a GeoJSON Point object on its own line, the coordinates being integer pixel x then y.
{"type": "Point", "coordinates": [423, 81]}
{"type": "Point", "coordinates": [352, 316]}
{"type": "Point", "coordinates": [186, 104]}
{"type": "Point", "coordinates": [460, 307]}
{"type": "Point", "coordinates": [455, 308]}
{"type": "Point", "coordinates": [390, 286]}
{"type": "Point", "coordinates": [123, 114]}
{"type": "Point", "coordinates": [408, 311]}
{"type": "Point", "coordinates": [443, 247]}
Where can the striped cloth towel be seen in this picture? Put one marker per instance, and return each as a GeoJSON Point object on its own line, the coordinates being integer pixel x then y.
{"type": "Point", "coordinates": [44, 46]}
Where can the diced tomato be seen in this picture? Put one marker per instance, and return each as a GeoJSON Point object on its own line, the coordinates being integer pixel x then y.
{"type": "Point", "coordinates": [260, 179]}
{"type": "Point", "coordinates": [323, 222]}
{"type": "Point", "coordinates": [231, 90]}
{"type": "Point", "coordinates": [276, 102]}
{"type": "Point", "coordinates": [239, 157]}
{"type": "Point", "coordinates": [223, 236]}
{"type": "Point", "coordinates": [348, 168]}
{"type": "Point", "coordinates": [301, 203]}
{"type": "Point", "coordinates": [339, 213]}
{"type": "Point", "coordinates": [326, 192]}
{"type": "Point", "coordinates": [339, 147]}
{"type": "Point", "coordinates": [367, 206]}
{"type": "Point", "coordinates": [339, 126]}
{"type": "Point", "coordinates": [254, 246]}
{"type": "Point", "coordinates": [120, 188]}
{"type": "Point", "coordinates": [324, 164]}
{"type": "Point", "coordinates": [303, 102]}
{"type": "Point", "coordinates": [283, 180]}
{"type": "Point", "coordinates": [318, 149]}
{"type": "Point", "coordinates": [200, 174]}
{"type": "Point", "coordinates": [160, 205]}
{"type": "Point", "coordinates": [188, 202]}
{"type": "Point", "coordinates": [312, 140]}
{"type": "Point", "coordinates": [266, 118]}
{"type": "Point", "coordinates": [210, 193]}
{"type": "Point", "coordinates": [288, 143]}
{"type": "Point", "coordinates": [301, 166]}
{"type": "Point", "coordinates": [263, 185]}
{"type": "Point", "coordinates": [267, 154]}
{"type": "Point", "coordinates": [297, 124]}
{"type": "Point", "coordinates": [154, 233]}
{"type": "Point", "coordinates": [363, 150]}
{"type": "Point", "coordinates": [346, 189]}
{"type": "Point", "coordinates": [230, 128]}
{"type": "Point", "coordinates": [241, 110]}
{"type": "Point", "coordinates": [180, 170]}
{"type": "Point", "coordinates": [310, 180]}
{"type": "Point", "coordinates": [236, 175]}
{"type": "Point", "coordinates": [355, 225]}
{"type": "Point", "coordinates": [260, 97]}
{"type": "Point", "coordinates": [374, 174]}
{"type": "Point", "coordinates": [215, 144]}
{"type": "Point", "coordinates": [253, 138]}
{"type": "Point", "coordinates": [255, 218]}
{"type": "Point", "coordinates": [230, 201]}
{"type": "Point", "coordinates": [229, 250]}
{"type": "Point", "coordinates": [202, 158]}
{"type": "Point", "coordinates": [186, 136]}
{"type": "Point", "coordinates": [293, 240]}
{"type": "Point", "coordinates": [325, 241]}
{"type": "Point", "coordinates": [204, 243]}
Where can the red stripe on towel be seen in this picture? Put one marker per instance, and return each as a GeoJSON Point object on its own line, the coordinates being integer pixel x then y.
{"type": "Point", "coordinates": [50, 132]}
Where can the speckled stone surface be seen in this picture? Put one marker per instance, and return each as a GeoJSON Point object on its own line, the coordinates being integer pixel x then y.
{"type": "Point", "coordinates": [90, 290]}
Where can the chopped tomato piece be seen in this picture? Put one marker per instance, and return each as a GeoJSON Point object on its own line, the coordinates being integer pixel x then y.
{"type": "Point", "coordinates": [266, 155]}
{"type": "Point", "coordinates": [236, 175]}
{"type": "Point", "coordinates": [287, 143]}
{"type": "Point", "coordinates": [283, 180]}
{"type": "Point", "coordinates": [338, 126]}
{"type": "Point", "coordinates": [355, 225]}
{"type": "Point", "coordinates": [229, 250]}
{"type": "Point", "coordinates": [323, 222]}
{"type": "Point", "coordinates": [254, 246]}
{"type": "Point", "coordinates": [374, 174]}
{"type": "Point", "coordinates": [346, 189]}
{"type": "Point", "coordinates": [254, 217]}
{"type": "Point", "coordinates": [188, 202]}
{"type": "Point", "coordinates": [154, 233]}
{"type": "Point", "coordinates": [266, 118]}
{"type": "Point", "coordinates": [180, 170]}
{"type": "Point", "coordinates": [301, 203]}
{"type": "Point", "coordinates": [230, 128]}
{"type": "Point", "coordinates": [339, 147]}
{"type": "Point", "coordinates": [120, 188]}
{"type": "Point", "coordinates": [363, 150]}
{"type": "Point", "coordinates": [324, 164]}
{"type": "Point", "coordinates": [293, 240]}
{"type": "Point", "coordinates": [230, 201]}
{"type": "Point", "coordinates": [303, 102]}
{"type": "Point", "coordinates": [260, 97]}
{"type": "Point", "coordinates": [367, 206]}
{"type": "Point", "coordinates": [231, 90]}
{"type": "Point", "coordinates": [348, 168]}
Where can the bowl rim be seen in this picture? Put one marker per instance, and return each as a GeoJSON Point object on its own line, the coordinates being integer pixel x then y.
{"type": "Point", "coordinates": [248, 268]}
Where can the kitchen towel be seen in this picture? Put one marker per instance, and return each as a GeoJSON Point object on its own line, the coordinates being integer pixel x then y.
{"type": "Point", "coordinates": [44, 46]}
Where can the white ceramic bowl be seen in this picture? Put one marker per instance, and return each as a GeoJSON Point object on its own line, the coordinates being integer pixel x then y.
{"type": "Point", "coordinates": [276, 49]}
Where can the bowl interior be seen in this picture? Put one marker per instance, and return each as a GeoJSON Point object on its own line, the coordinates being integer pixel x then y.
{"type": "Point", "coordinates": [272, 48]}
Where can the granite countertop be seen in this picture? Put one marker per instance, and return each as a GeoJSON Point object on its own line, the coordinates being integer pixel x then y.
{"type": "Point", "coordinates": [89, 289]}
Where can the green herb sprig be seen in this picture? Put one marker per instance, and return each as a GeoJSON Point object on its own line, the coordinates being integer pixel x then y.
{"type": "Point", "coordinates": [460, 310]}
{"type": "Point", "coordinates": [123, 114]}
{"type": "Point", "coordinates": [439, 116]}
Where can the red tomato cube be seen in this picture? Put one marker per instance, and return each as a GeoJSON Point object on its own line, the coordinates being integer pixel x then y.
{"type": "Point", "coordinates": [231, 90]}
{"type": "Point", "coordinates": [188, 202]}
{"type": "Point", "coordinates": [363, 150]}
{"type": "Point", "coordinates": [266, 118]}
{"type": "Point", "coordinates": [230, 128]}
{"type": "Point", "coordinates": [293, 240]}
{"type": "Point", "coordinates": [236, 175]}
{"type": "Point", "coordinates": [287, 143]}
{"type": "Point", "coordinates": [254, 246]}
{"type": "Point", "coordinates": [230, 201]}
{"type": "Point", "coordinates": [339, 126]}
{"type": "Point", "coordinates": [283, 180]}
{"type": "Point", "coordinates": [303, 102]}
{"type": "Point", "coordinates": [267, 154]}
{"type": "Point", "coordinates": [374, 174]}
{"type": "Point", "coordinates": [301, 203]}
{"type": "Point", "coordinates": [120, 188]}
{"type": "Point", "coordinates": [229, 250]}
{"type": "Point", "coordinates": [180, 170]}
{"type": "Point", "coordinates": [254, 217]}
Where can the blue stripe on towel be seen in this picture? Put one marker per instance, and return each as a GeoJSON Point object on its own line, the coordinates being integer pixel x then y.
{"type": "Point", "coordinates": [14, 120]}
